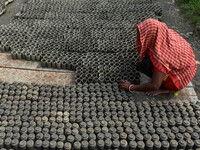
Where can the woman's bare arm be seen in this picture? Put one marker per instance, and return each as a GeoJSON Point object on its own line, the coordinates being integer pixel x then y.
{"type": "Point", "coordinates": [154, 84]}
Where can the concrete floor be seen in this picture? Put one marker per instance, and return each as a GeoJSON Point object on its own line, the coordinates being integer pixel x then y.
{"type": "Point", "coordinates": [11, 10]}
{"type": "Point", "coordinates": [28, 71]}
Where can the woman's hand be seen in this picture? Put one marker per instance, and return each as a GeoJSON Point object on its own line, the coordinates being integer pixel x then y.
{"type": "Point", "coordinates": [125, 84]}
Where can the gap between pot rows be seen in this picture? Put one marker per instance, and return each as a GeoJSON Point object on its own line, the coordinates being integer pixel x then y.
{"type": "Point", "coordinates": [29, 72]}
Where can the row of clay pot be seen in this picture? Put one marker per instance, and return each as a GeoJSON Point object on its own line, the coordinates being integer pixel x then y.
{"type": "Point", "coordinates": [108, 77]}
{"type": "Point", "coordinates": [89, 7]}
{"type": "Point", "coordinates": [131, 2]}
{"type": "Point", "coordinates": [57, 14]}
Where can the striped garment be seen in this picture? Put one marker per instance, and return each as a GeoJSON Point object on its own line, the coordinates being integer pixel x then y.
{"type": "Point", "coordinates": [168, 51]}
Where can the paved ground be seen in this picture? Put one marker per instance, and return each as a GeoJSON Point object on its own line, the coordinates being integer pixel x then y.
{"type": "Point", "coordinates": [11, 10]}
{"type": "Point", "coordinates": [174, 20]}
{"type": "Point", "coordinates": [12, 70]}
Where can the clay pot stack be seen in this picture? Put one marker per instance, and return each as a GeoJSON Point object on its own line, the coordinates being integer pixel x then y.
{"type": "Point", "coordinates": [93, 116]}
{"type": "Point", "coordinates": [58, 33]}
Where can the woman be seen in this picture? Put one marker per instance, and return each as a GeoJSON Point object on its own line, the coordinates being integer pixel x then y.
{"type": "Point", "coordinates": [165, 57]}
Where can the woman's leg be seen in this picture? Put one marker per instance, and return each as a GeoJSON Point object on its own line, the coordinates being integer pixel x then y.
{"type": "Point", "coordinates": [146, 66]}
{"type": "Point", "coordinates": [157, 92]}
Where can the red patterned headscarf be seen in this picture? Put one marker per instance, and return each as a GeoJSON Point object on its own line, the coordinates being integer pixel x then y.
{"type": "Point", "coordinates": [168, 51]}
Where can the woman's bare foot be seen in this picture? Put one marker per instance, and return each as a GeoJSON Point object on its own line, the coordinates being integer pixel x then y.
{"type": "Point", "coordinates": [157, 92]}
